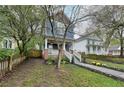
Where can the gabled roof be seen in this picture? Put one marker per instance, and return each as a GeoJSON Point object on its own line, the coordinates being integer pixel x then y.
{"type": "Point", "coordinates": [90, 36]}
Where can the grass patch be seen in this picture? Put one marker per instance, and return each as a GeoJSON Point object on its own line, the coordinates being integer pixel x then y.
{"type": "Point", "coordinates": [114, 59]}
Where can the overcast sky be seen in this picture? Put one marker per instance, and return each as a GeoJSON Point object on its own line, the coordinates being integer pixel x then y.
{"type": "Point", "coordinates": [80, 28]}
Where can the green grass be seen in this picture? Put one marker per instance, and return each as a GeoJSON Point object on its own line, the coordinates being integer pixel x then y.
{"type": "Point", "coordinates": [108, 64]}
{"type": "Point", "coordinates": [37, 74]}
{"type": "Point", "coordinates": [116, 59]}
{"type": "Point", "coordinates": [105, 58]}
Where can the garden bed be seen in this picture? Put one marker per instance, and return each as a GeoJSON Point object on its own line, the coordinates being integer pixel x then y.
{"type": "Point", "coordinates": [114, 66]}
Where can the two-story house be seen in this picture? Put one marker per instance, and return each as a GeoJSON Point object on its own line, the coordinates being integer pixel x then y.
{"type": "Point", "coordinates": [52, 43]}
{"type": "Point", "coordinates": [89, 44]}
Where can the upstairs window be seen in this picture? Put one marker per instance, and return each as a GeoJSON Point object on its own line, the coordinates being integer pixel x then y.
{"type": "Point", "coordinates": [60, 28]}
{"type": "Point", "coordinates": [88, 41]}
{"type": "Point", "coordinates": [94, 48]}
{"type": "Point", "coordinates": [7, 44]}
{"type": "Point", "coordinates": [88, 49]}
{"type": "Point", "coordinates": [99, 48]}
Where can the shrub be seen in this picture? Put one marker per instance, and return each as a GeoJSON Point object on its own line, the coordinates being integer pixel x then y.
{"type": "Point", "coordinates": [6, 53]}
{"type": "Point", "coordinates": [65, 60]}
{"type": "Point", "coordinates": [49, 61]}
{"type": "Point", "coordinates": [94, 63]}
{"type": "Point", "coordinates": [104, 65]}
{"type": "Point", "coordinates": [98, 64]}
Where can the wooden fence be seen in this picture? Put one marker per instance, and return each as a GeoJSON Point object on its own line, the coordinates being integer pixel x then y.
{"type": "Point", "coordinates": [8, 65]}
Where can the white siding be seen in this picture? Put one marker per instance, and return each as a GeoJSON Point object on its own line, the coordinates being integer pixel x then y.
{"type": "Point", "coordinates": [80, 46]}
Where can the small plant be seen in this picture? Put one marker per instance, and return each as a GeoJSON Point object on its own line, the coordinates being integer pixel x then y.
{"type": "Point", "coordinates": [98, 64]}
{"type": "Point", "coordinates": [104, 65]}
{"type": "Point", "coordinates": [94, 63]}
{"type": "Point", "coordinates": [49, 61]}
{"type": "Point", "coordinates": [65, 60]}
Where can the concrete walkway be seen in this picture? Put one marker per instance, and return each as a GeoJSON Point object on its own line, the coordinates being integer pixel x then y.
{"type": "Point", "coordinates": [109, 72]}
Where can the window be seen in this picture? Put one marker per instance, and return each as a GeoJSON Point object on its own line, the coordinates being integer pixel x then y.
{"type": "Point", "coordinates": [99, 48]}
{"type": "Point", "coordinates": [94, 48]}
{"type": "Point", "coordinates": [50, 46]}
{"type": "Point", "coordinates": [7, 44]}
{"type": "Point", "coordinates": [55, 46]}
{"type": "Point", "coordinates": [88, 41]}
{"type": "Point", "coordinates": [60, 28]}
{"type": "Point", "coordinates": [88, 48]}
{"type": "Point", "coordinates": [93, 42]}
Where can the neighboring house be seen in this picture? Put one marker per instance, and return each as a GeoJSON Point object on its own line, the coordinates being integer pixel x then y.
{"type": "Point", "coordinates": [89, 44]}
{"type": "Point", "coordinates": [114, 50]}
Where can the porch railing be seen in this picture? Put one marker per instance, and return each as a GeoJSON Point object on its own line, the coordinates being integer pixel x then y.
{"type": "Point", "coordinates": [53, 52]}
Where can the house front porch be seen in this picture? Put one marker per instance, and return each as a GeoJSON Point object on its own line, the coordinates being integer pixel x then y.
{"type": "Point", "coordinates": [51, 47]}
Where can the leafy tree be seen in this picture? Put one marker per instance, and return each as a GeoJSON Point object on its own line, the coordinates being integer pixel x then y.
{"type": "Point", "coordinates": [110, 20]}
{"type": "Point", "coordinates": [21, 23]}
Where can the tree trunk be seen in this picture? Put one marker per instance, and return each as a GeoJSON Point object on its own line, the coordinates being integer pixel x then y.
{"type": "Point", "coordinates": [121, 51]}
{"type": "Point", "coordinates": [59, 58]}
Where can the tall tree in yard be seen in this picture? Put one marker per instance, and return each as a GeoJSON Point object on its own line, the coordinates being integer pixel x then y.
{"type": "Point", "coordinates": [111, 19]}
{"type": "Point", "coordinates": [20, 23]}
{"type": "Point", "coordinates": [73, 17]}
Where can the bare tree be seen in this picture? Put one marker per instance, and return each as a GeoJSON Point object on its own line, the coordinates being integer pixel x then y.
{"type": "Point", "coordinates": [75, 16]}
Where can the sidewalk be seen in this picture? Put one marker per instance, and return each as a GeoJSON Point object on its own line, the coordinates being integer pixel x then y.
{"type": "Point", "coordinates": [109, 72]}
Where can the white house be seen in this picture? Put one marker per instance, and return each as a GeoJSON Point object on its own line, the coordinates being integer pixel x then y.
{"type": "Point", "coordinates": [89, 44]}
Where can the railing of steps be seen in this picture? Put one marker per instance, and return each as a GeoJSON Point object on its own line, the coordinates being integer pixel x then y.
{"type": "Point", "coordinates": [74, 55]}
{"type": "Point", "coordinates": [68, 55]}
{"type": "Point", "coordinates": [77, 55]}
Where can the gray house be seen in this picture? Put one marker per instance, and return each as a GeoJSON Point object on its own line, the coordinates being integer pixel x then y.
{"type": "Point", "coordinates": [52, 43]}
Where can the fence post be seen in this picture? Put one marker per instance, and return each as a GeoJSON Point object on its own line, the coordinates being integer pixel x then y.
{"type": "Point", "coordinates": [10, 63]}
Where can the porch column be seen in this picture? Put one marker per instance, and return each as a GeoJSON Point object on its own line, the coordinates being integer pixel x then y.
{"type": "Point", "coordinates": [64, 47]}
{"type": "Point", "coordinates": [45, 50]}
{"type": "Point", "coordinates": [45, 43]}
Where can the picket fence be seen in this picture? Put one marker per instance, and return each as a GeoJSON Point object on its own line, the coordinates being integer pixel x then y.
{"type": "Point", "coordinates": [8, 65]}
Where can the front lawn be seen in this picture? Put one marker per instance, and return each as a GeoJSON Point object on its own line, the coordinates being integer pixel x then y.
{"type": "Point", "coordinates": [35, 73]}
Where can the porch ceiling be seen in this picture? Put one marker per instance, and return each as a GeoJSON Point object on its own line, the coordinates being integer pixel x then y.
{"type": "Point", "coordinates": [52, 40]}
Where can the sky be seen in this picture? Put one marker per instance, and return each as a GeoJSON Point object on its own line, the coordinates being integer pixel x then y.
{"type": "Point", "coordinates": [80, 28]}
